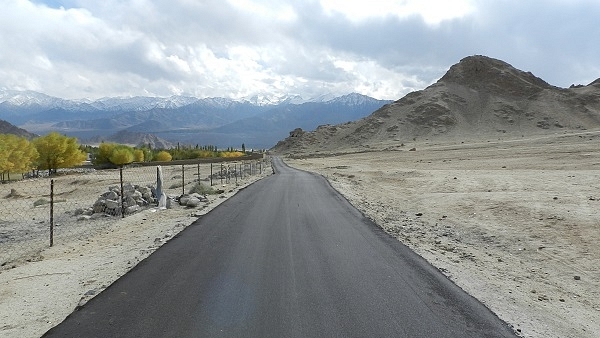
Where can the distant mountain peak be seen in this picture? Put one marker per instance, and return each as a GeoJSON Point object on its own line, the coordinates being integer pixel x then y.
{"type": "Point", "coordinates": [482, 72]}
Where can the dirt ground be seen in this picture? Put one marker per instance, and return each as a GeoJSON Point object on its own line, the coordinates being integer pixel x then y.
{"type": "Point", "coordinates": [46, 284]}
{"type": "Point", "coordinates": [515, 223]}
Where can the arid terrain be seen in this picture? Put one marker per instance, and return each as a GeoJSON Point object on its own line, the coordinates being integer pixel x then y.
{"type": "Point", "coordinates": [41, 285]}
{"type": "Point", "coordinates": [514, 222]}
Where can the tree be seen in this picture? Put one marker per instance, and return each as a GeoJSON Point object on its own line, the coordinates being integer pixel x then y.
{"type": "Point", "coordinates": [121, 156]}
{"type": "Point", "coordinates": [17, 154]}
{"type": "Point", "coordinates": [58, 151]}
{"type": "Point", "coordinates": [163, 156]}
{"type": "Point", "coordinates": [138, 155]}
{"type": "Point", "coordinates": [105, 150]}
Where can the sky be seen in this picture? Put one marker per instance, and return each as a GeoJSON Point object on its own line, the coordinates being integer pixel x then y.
{"type": "Point", "coordinates": [88, 49]}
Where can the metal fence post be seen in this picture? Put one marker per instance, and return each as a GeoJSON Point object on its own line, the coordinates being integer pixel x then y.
{"type": "Point", "coordinates": [122, 196]}
{"type": "Point", "coordinates": [183, 179]}
{"type": "Point", "coordinates": [211, 174]}
{"type": "Point", "coordinates": [51, 213]}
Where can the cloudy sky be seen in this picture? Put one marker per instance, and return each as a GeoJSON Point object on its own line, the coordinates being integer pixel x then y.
{"type": "Point", "coordinates": [238, 48]}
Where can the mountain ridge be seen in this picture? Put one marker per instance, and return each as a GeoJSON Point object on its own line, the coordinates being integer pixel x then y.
{"type": "Point", "coordinates": [181, 118]}
{"type": "Point", "coordinates": [479, 97]}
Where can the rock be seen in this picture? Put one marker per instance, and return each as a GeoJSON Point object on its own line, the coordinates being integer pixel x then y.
{"type": "Point", "coordinates": [132, 209]}
{"type": "Point", "coordinates": [183, 199]}
{"type": "Point", "coordinates": [129, 201]}
{"type": "Point", "coordinates": [577, 277]}
{"type": "Point", "coordinates": [84, 218]}
{"type": "Point", "coordinates": [412, 149]}
{"type": "Point", "coordinates": [193, 202]}
{"type": "Point", "coordinates": [99, 206]}
{"type": "Point", "coordinates": [112, 204]}
{"type": "Point", "coordinates": [110, 195]}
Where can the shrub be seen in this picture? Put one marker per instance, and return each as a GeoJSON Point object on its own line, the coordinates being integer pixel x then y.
{"type": "Point", "coordinates": [202, 189]}
{"type": "Point", "coordinates": [163, 156]}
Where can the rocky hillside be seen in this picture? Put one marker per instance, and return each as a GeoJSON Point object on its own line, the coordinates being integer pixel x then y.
{"type": "Point", "coordinates": [133, 139]}
{"type": "Point", "coordinates": [480, 97]}
{"type": "Point", "coordinates": [7, 128]}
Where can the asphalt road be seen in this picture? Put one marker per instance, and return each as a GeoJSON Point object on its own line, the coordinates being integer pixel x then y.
{"type": "Point", "coordinates": [286, 257]}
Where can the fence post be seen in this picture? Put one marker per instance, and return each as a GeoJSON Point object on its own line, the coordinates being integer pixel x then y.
{"type": "Point", "coordinates": [221, 174]}
{"type": "Point", "coordinates": [211, 174]}
{"type": "Point", "coordinates": [183, 179]}
{"type": "Point", "coordinates": [198, 172]}
{"type": "Point", "coordinates": [51, 213]}
{"type": "Point", "coordinates": [122, 196]}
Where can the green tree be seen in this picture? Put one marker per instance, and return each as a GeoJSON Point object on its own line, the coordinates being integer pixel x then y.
{"type": "Point", "coordinates": [58, 151]}
{"type": "Point", "coordinates": [105, 150]}
{"type": "Point", "coordinates": [121, 156]}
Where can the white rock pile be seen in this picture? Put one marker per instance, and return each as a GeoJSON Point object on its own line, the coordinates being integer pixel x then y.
{"type": "Point", "coordinates": [135, 197]}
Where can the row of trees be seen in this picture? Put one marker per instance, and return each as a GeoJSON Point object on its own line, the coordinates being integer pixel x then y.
{"type": "Point", "coordinates": [53, 151]}
{"type": "Point", "coordinates": [119, 154]}
{"type": "Point", "coordinates": [19, 155]}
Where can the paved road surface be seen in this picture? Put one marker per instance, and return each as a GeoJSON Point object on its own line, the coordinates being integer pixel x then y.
{"type": "Point", "coordinates": [285, 257]}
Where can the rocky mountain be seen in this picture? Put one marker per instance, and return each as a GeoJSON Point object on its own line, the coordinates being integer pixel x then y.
{"type": "Point", "coordinates": [259, 121]}
{"type": "Point", "coordinates": [478, 98]}
{"type": "Point", "coordinates": [8, 128]}
{"type": "Point", "coordinates": [133, 139]}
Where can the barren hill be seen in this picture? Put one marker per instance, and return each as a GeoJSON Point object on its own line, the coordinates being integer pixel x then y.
{"type": "Point", "coordinates": [479, 97]}
{"type": "Point", "coordinates": [8, 128]}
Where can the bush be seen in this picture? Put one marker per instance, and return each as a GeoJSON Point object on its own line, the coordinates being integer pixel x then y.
{"type": "Point", "coordinates": [202, 189]}
{"type": "Point", "coordinates": [163, 156]}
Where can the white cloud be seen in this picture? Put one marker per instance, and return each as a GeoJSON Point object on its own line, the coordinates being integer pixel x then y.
{"type": "Point", "coordinates": [431, 11]}
{"type": "Point", "coordinates": [235, 48]}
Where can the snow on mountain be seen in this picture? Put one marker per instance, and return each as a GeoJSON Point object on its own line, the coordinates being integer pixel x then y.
{"type": "Point", "coordinates": [29, 98]}
{"type": "Point", "coordinates": [145, 103]}
{"type": "Point", "coordinates": [142, 103]}
{"type": "Point", "coordinates": [353, 99]}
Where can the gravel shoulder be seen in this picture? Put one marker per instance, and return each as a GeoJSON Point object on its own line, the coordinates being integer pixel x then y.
{"type": "Point", "coordinates": [514, 223]}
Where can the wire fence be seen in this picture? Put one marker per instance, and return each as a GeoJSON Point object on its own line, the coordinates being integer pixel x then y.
{"type": "Point", "coordinates": [77, 203]}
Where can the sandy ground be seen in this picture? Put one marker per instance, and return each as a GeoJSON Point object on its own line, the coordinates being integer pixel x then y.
{"type": "Point", "coordinates": [515, 223]}
{"type": "Point", "coordinates": [37, 293]}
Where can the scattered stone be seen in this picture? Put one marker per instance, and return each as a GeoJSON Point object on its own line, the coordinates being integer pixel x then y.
{"type": "Point", "coordinates": [412, 149]}
{"type": "Point", "coordinates": [577, 277]}
{"type": "Point", "coordinates": [419, 214]}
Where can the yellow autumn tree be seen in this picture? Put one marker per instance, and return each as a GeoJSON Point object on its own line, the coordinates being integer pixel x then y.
{"type": "Point", "coordinates": [58, 151]}
{"type": "Point", "coordinates": [138, 155]}
{"type": "Point", "coordinates": [17, 154]}
{"type": "Point", "coordinates": [163, 156]}
{"type": "Point", "coordinates": [121, 156]}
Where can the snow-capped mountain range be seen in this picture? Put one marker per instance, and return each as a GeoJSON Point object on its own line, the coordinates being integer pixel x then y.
{"type": "Point", "coordinates": [183, 118]}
